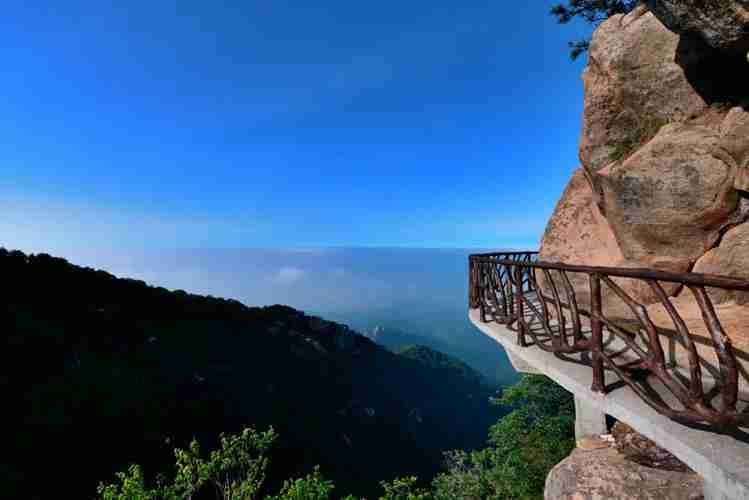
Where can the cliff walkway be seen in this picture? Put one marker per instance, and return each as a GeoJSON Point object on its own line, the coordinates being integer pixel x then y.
{"type": "Point", "coordinates": [661, 351]}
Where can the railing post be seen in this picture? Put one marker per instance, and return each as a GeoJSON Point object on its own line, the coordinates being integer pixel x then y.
{"type": "Point", "coordinates": [480, 290]}
{"type": "Point", "coordinates": [471, 286]}
{"type": "Point", "coordinates": [596, 334]}
{"type": "Point", "coordinates": [474, 287]}
{"type": "Point", "coordinates": [519, 306]}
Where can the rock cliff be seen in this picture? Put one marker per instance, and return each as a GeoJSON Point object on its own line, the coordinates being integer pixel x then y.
{"type": "Point", "coordinates": [663, 184]}
{"type": "Point", "coordinates": [600, 469]}
{"type": "Point", "coordinates": [664, 181]}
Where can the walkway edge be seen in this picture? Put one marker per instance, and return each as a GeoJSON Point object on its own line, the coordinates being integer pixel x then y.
{"type": "Point", "coordinates": [721, 460]}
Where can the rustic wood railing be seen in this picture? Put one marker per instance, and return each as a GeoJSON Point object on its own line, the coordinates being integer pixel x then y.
{"type": "Point", "coordinates": [571, 310]}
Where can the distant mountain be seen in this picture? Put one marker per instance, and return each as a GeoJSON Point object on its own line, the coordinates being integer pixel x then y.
{"type": "Point", "coordinates": [453, 368]}
{"type": "Point", "coordinates": [479, 352]}
{"type": "Point", "coordinates": [395, 339]}
{"type": "Point", "coordinates": [101, 372]}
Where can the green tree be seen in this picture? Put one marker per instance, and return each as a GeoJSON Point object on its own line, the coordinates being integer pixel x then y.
{"type": "Point", "coordinates": [235, 471]}
{"type": "Point", "coordinates": [405, 488]}
{"type": "Point", "coordinates": [593, 12]}
{"type": "Point", "coordinates": [524, 446]}
{"type": "Point", "coordinates": [311, 487]}
{"type": "Point", "coordinates": [131, 485]}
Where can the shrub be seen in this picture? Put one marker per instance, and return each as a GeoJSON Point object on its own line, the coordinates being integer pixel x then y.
{"type": "Point", "coordinates": [524, 446]}
{"type": "Point", "coordinates": [405, 489]}
{"type": "Point", "coordinates": [310, 487]}
{"type": "Point", "coordinates": [235, 471]}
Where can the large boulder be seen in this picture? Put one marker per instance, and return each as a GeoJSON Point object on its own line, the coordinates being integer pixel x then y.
{"type": "Point", "coordinates": [634, 85]}
{"type": "Point", "coordinates": [665, 161]}
{"type": "Point", "coordinates": [671, 198]}
{"type": "Point", "coordinates": [730, 258]}
{"type": "Point", "coordinates": [601, 472]}
{"type": "Point", "coordinates": [734, 140]}
{"type": "Point", "coordinates": [578, 233]}
{"type": "Point", "coordinates": [723, 24]}
{"type": "Point", "coordinates": [639, 290]}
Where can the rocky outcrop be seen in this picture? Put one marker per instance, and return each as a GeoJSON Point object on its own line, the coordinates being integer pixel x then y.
{"type": "Point", "coordinates": [734, 141]}
{"type": "Point", "coordinates": [671, 198]}
{"type": "Point", "coordinates": [664, 184]}
{"type": "Point", "coordinates": [639, 449]}
{"type": "Point", "coordinates": [633, 85]}
{"type": "Point", "coordinates": [665, 175]}
{"type": "Point", "coordinates": [723, 24]}
{"type": "Point", "coordinates": [578, 233]}
{"type": "Point", "coordinates": [731, 257]}
{"type": "Point", "coordinates": [597, 470]}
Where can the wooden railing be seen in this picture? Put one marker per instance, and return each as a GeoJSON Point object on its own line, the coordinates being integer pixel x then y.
{"type": "Point", "coordinates": [573, 310]}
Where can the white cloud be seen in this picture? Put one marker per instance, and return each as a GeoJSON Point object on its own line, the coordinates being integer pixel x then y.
{"type": "Point", "coordinates": [289, 275]}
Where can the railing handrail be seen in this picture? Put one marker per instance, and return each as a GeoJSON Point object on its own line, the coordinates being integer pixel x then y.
{"type": "Point", "coordinates": [686, 278]}
{"type": "Point", "coordinates": [504, 285]}
{"type": "Point", "coordinates": [509, 252]}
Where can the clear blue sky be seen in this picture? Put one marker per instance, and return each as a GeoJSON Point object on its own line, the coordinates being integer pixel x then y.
{"type": "Point", "coordinates": [193, 124]}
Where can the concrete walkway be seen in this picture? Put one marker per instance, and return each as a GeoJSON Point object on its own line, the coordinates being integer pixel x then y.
{"type": "Point", "coordinates": [722, 460]}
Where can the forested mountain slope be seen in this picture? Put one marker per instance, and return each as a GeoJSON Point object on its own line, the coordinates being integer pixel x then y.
{"type": "Point", "coordinates": [100, 372]}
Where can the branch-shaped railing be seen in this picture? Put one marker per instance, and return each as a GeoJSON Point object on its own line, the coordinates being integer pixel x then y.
{"type": "Point", "coordinates": [589, 315]}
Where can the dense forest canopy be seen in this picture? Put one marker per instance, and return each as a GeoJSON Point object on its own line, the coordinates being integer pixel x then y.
{"type": "Point", "coordinates": [523, 447]}
{"type": "Point", "coordinates": [94, 359]}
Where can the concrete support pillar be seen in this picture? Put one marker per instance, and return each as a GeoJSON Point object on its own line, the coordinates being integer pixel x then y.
{"type": "Point", "coordinates": [589, 421]}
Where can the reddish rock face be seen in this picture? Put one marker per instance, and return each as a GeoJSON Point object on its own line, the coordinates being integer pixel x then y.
{"type": "Point", "coordinates": [672, 197]}
{"type": "Point", "coordinates": [665, 176]}
{"type": "Point", "coordinates": [579, 234]}
{"type": "Point", "coordinates": [633, 85]}
{"type": "Point", "coordinates": [734, 141]}
{"type": "Point", "coordinates": [639, 290]}
{"type": "Point", "coordinates": [731, 257]}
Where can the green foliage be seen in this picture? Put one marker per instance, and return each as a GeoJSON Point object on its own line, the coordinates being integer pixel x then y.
{"type": "Point", "coordinates": [524, 446]}
{"type": "Point", "coordinates": [537, 395]}
{"type": "Point", "coordinates": [131, 485]}
{"type": "Point", "coordinates": [405, 488]}
{"type": "Point", "coordinates": [311, 487]}
{"type": "Point", "coordinates": [236, 471]}
{"type": "Point", "coordinates": [593, 12]}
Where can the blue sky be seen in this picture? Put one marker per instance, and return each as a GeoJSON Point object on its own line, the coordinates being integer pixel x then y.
{"type": "Point", "coordinates": [193, 124]}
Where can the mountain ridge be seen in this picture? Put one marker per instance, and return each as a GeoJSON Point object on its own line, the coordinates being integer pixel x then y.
{"type": "Point", "coordinates": [120, 371]}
